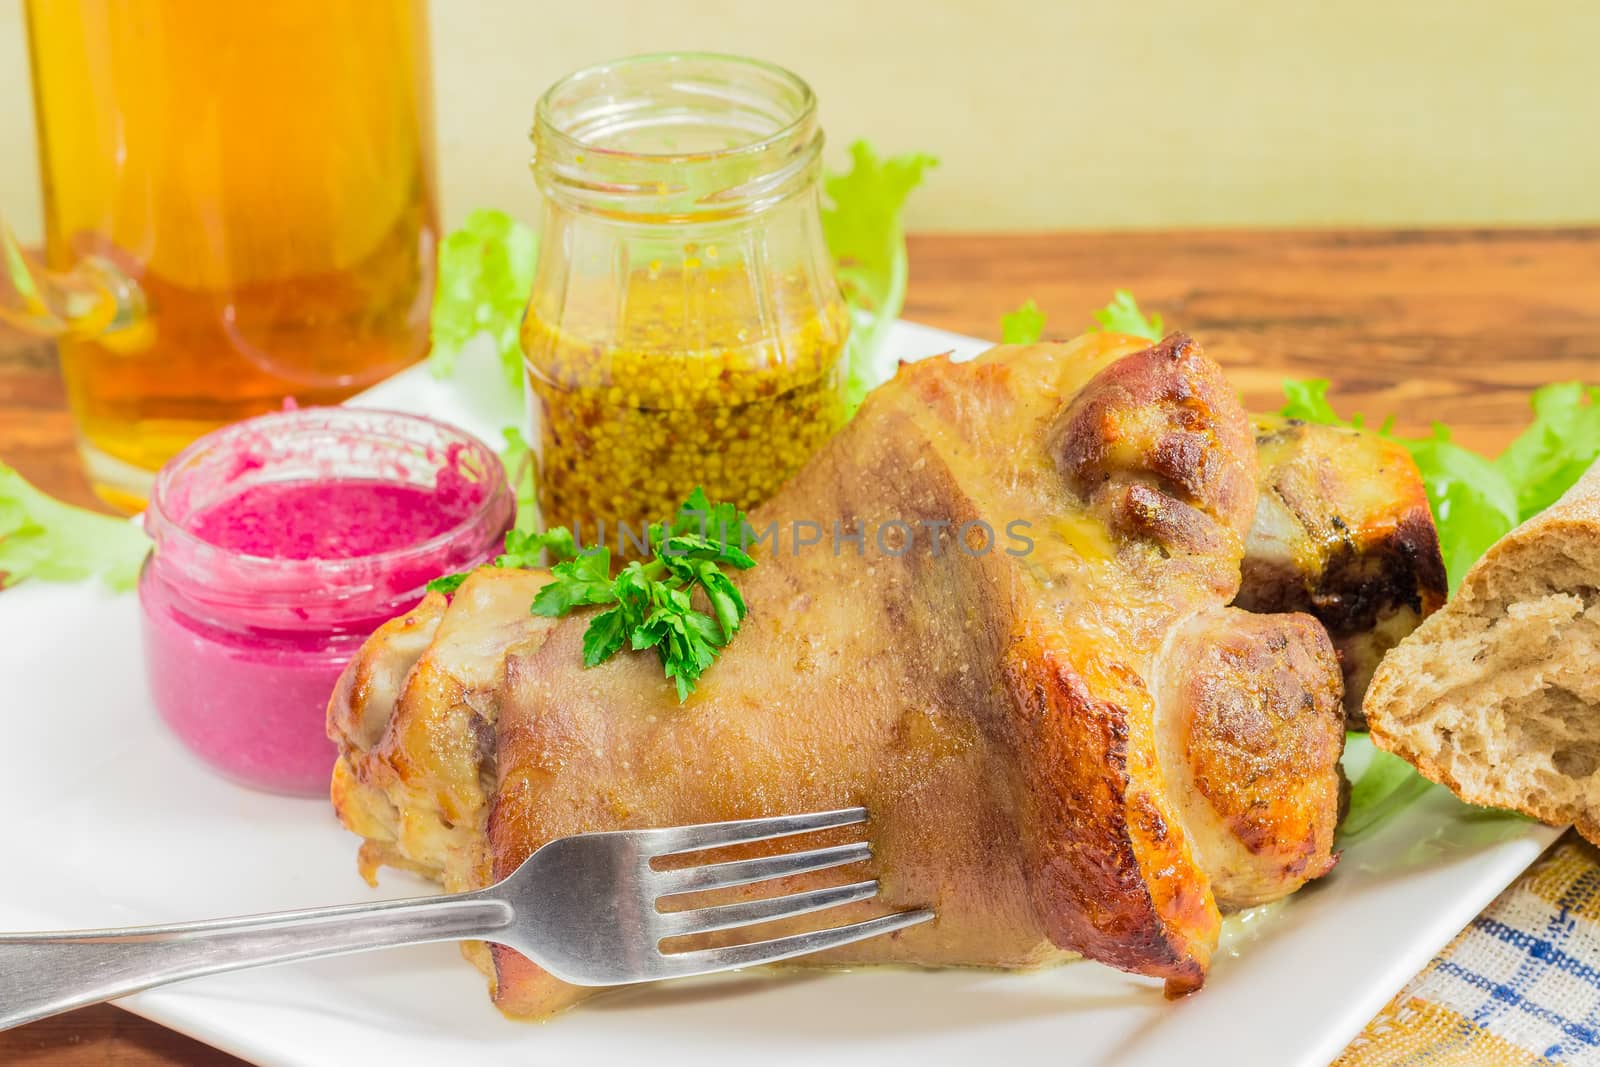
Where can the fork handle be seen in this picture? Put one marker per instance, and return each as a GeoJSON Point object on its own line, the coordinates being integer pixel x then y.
{"type": "Point", "coordinates": [44, 974]}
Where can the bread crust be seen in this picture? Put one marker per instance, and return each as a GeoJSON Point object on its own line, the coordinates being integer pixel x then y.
{"type": "Point", "coordinates": [1546, 551]}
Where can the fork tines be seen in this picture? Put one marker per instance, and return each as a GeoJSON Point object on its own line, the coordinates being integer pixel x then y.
{"type": "Point", "coordinates": [675, 841]}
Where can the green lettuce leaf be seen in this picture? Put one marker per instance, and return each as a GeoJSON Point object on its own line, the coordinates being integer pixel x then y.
{"type": "Point", "coordinates": [1473, 504]}
{"type": "Point", "coordinates": [1122, 315]}
{"type": "Point", "coordinates": [1308, 400]}
{"type": "Point", "coordinates": [1024, 326]}
{"type": "Point", "coordinates": [517, 458]}
{"type": "Point", "coordinates": [1556, 448]}
{"type": "Point", "coordinates": [866, 237]}
{"type": "Point", "coordinates": [1384, 784]}
{"type": "Point", "coordinates": [40, 537]}
{"type": "Point", "coordinates": [485, 273]}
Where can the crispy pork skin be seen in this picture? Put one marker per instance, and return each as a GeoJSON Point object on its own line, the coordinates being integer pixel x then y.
{"type": "Point", "coordinates": [995, 713]}
{"type": "Point", "coordinates": [1342, 532]}
{"type": "Point", "coordinates": [1014, 649]}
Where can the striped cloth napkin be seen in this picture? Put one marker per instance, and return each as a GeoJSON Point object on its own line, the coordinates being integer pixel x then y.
{"type": "Point", "coordinates": [1519, 986]}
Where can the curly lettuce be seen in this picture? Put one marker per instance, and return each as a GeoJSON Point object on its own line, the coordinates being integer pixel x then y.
{"type": "Point", "coordinates": [866, 237]}
{"type": "Point", "coordinates": [1024, 326]}
{"type": "Point", "coordinates": [43, 538]}
{"type": "Point", "coordinates": [1561, 442]}
{"type": "Point", "coordinates": [484, 276]}
{"type": "Point", "coordinates": [1122, 315]}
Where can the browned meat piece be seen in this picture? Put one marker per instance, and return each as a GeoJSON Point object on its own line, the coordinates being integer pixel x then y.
{"type": "Point", "coordinates": [1342, 531]}
{"type": "Point", "coordinates": [1078, 749]}
{"type": "Point", "coordinates": [1242, 689]}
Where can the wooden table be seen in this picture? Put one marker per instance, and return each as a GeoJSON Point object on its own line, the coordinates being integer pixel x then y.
{"type": "Point", "coordinates": [1452, 325]}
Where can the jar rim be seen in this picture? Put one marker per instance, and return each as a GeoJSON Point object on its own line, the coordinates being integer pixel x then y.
{"type": "Point", "coordinates": [804, 111]}
{"type": "Point", "coordinates": [677, 138]}
{"type": "Point", "coordinates": [168, 529]}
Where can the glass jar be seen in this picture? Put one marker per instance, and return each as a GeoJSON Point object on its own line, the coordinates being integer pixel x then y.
{"type": "Point", "coordinates": [685, 327]}
{"type": "Point", "coordinates": [281, 543]}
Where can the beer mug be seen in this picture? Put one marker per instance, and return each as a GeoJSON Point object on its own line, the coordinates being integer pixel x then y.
{"type": "Point", "coordinates": [239, 209]}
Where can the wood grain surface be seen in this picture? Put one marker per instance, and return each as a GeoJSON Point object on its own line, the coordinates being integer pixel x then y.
{"type": "Point", "coordinates": [1450, 325]}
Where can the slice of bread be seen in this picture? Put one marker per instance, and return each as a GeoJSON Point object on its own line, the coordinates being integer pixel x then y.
{"type": "Point", "coordinates": [1497, 695]}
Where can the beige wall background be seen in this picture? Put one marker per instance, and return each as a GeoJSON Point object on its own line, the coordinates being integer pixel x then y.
{"type": "Point", "coordinates": [1069, 114]}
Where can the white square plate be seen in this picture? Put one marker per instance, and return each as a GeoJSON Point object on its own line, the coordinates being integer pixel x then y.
{"type": "Point", "coordinates": [110, 822]}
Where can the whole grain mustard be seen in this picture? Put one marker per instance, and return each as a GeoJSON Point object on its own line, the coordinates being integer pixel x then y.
{"type": "Point", "coordinates": [683, 376]}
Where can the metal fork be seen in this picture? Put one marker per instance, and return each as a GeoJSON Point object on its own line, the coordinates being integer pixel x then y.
{"type": "Point", "coordinates": [585, 908]}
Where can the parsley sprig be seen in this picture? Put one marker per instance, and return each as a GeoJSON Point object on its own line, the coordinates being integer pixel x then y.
{"type": "Point", "coordinates": [524, 548]}
{"type": "Point", "coordinates": [650, 603]}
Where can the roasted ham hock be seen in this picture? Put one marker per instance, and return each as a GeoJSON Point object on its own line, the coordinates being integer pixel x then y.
{"type": "Point", "coordinates": [1080, 748]}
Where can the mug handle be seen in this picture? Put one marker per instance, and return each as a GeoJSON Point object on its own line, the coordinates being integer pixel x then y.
{"type": "Point", "coordinates": [91, 299]}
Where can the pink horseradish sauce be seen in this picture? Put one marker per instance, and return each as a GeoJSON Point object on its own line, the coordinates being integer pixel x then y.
{"type": "Point", "coordinates": [329, 519]}
{"type": "Point", "coordinates": [281, 544]}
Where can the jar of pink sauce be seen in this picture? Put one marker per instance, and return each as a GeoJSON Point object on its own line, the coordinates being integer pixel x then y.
{"type": "Point", "coordinates": [281, 543]}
